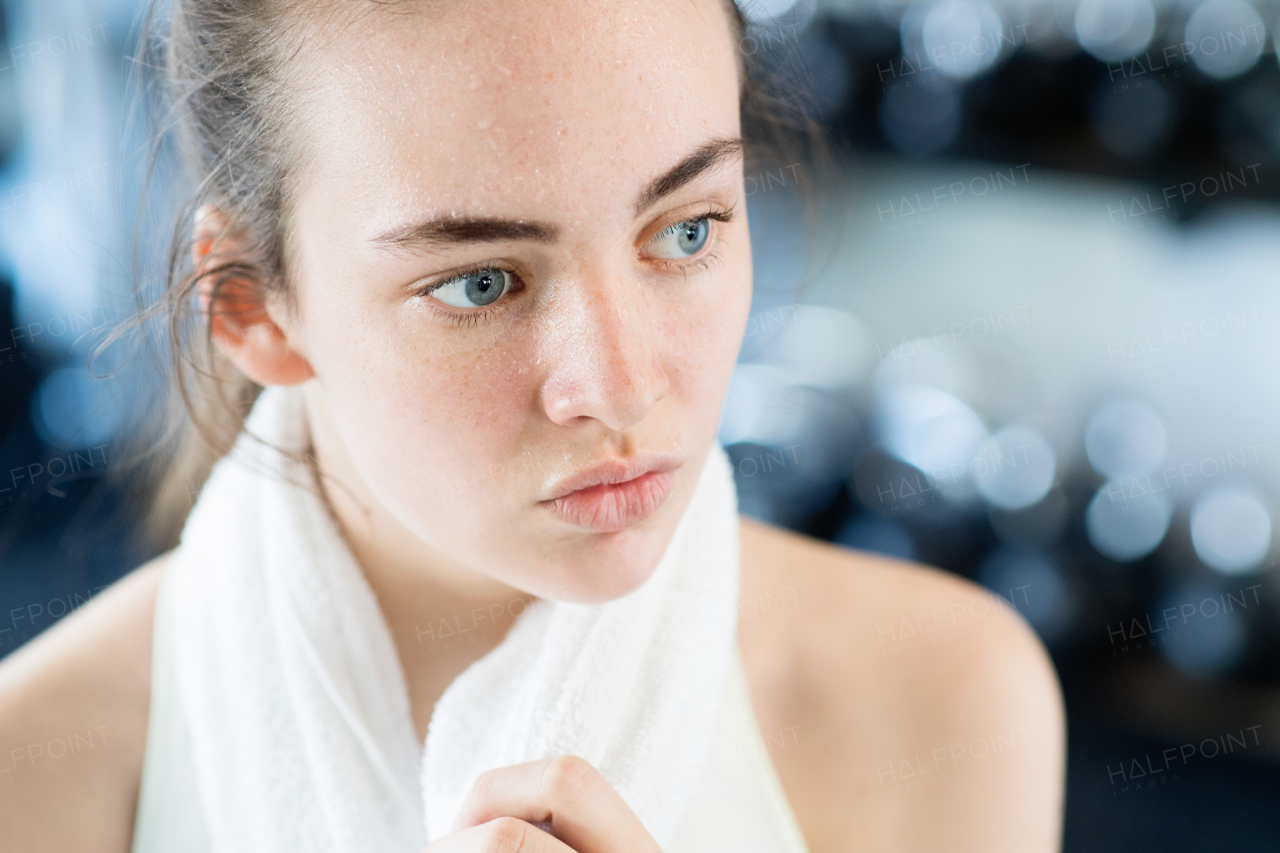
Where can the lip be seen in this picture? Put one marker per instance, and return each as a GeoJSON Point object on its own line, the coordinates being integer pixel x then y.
{"type": "Point", "coordinates": [614, 494]}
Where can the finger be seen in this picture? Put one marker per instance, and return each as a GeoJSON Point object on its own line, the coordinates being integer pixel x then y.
{"type": "Point", "coordinates": [585, 811]}
{"type": "Point", "coordinates": [508, 834]}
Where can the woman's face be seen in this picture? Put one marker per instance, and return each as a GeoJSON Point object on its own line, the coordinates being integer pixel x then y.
{"type": "Point", "coordinates": [568, 173]}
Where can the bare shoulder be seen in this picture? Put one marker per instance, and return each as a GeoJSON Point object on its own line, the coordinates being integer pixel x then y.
{"type": "Point", "coordinates": [73, 718]}
{"type": "Point", "coordinates": [932, 711]}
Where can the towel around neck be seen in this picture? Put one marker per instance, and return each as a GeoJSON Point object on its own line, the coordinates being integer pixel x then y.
{"type": "Point", "coordinates": [289, 681]}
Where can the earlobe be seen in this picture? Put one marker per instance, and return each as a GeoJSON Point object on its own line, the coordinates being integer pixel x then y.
{"type": "Point", "coordinates": [235, 302]}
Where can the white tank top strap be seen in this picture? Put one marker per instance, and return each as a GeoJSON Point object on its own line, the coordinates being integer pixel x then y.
{"type": "Point", "coordinates": [741, 804]}
{"type": "Point", "coordinates": [167, 764]}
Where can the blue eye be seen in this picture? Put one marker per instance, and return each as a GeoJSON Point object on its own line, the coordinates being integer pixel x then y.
{"type": "Point", "coordinates": [684, 238]}
{"type": "Point", "coordinates": [473, 290]}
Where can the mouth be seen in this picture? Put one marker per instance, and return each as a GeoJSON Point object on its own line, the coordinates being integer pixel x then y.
{"type": "Point", "coordinates": [614, 495]}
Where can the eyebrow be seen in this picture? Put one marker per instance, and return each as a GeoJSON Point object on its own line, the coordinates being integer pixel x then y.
{"type": "Point", "coordinates": [443, 232]}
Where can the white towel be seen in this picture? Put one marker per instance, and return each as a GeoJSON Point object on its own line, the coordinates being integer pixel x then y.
{"type": "Point", "coordinates": [290, 684]}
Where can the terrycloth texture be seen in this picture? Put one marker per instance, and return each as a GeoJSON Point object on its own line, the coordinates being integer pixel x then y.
{"type": "Point", "coordinates": [290, 684]}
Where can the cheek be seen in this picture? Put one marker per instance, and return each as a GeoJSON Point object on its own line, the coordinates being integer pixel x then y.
{"type": "Point", "coordinates": [707, 335]}
{"type": "Point", "coordinates": [422, 407]}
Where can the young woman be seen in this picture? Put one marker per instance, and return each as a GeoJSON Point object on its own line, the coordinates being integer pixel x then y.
{"type": "Point", "coordinates": [491, 262]}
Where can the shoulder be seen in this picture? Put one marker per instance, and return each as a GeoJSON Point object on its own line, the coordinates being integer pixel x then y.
{"type": "Point", "coordinates": [901, 618]}
{"type": "Point", "coordinates": [73, 716]}
{"type": "Point", "coordinates": [934, 710]}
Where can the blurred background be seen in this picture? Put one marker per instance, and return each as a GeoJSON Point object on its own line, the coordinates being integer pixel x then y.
{"type": "Point", "coordinates": [1040, 352]}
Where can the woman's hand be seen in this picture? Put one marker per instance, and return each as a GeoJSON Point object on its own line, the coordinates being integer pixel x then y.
{"type": "Point", "coordinates": [566, 792]}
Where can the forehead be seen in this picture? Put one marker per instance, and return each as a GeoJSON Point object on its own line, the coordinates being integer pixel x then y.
{"type": "Point", "coordinates": [470, 106]}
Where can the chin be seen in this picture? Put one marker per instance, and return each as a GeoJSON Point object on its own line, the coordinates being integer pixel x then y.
{"type": "Point", "coordinates": [611, 565]}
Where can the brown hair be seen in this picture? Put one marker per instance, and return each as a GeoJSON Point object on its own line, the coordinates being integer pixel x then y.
{"type": "Point", "coordinates": [216, 75]}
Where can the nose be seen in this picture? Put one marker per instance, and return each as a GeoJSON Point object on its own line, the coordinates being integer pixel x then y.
{"type": "Point", "coordinates": [604, 349]}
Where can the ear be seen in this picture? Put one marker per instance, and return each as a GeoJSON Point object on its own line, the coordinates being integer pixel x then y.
{"type": "Point", "coordinates": [241, 321]}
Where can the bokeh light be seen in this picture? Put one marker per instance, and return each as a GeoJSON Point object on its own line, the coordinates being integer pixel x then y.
{"type": "Point", "coordinates": [1125, 438]}
{"type": "Point", "coordinates": [1014, 468]}
{"type": "Point", "coordinates": [1231, 529]}
{"type": "Point", "coordinates": [928, 428]}
{"type": "Point", "coordinates": [1113, 30]}
{"type": "Point", "coordinates": [961, 37]}
{"type": "Point", "coordinates": [824, 347]}
{"type": "Point", "coordinates": [763, 406]}
{"type": "Point", "coordinates": [1123, 526]}
{"type": "Point", "coordinates": [1227, 37]}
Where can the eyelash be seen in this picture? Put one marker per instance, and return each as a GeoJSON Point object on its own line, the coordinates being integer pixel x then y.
{"type": "Point", "coordinates": [705, 260]}
{"type": "Point", "coordinates": [698, 263]}
{"type": "Point", "coordinates": [471, 318]}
